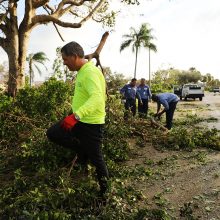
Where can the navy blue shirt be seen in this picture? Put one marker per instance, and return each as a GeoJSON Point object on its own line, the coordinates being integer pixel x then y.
{"type": "Point", "coordinates": [166, 98]}
{"type": "Point", "coordinates": [130, 92]}
{"type": "Point", "coordinates": [144, 91]}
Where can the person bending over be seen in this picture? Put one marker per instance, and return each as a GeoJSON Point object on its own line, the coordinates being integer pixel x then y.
{"type": "Point", "coordinates": [169, 102]}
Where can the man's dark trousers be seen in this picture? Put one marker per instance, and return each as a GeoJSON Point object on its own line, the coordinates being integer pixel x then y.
{"type": "Point", "coordinates": [143, 109]}
{"type": "Point", "coordinates": [169, 114]}
{"type": "Point", "coordinates": [130, 105]}
{"type": "Point", "coordinates": [86, 140]}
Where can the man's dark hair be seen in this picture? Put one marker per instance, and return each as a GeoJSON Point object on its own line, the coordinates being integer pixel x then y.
{"type": "Point", "coordinates": [73, 48]}
{"type": "Point", "coordinates": [133, 80]}
{"type": "Point", "coordinates": [154, 97]}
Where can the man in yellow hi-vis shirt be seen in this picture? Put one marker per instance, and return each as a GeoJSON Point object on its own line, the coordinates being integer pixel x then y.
{"type": "Point", "coordinates": [86, 122]}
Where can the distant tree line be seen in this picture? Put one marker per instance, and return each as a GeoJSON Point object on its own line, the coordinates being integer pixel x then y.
{"type": "Point", "coordinates": [165, 79]}
{"type": "Point", "coordinates": [162, 80]}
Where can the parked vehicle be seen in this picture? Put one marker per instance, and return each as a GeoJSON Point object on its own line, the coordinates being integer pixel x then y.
{"type": "Point", "coordinates": [177, 90]}
{"type": "Point", "coordinates": [189, 91]}
{"type": "Point", "coordinates": [216, 89]}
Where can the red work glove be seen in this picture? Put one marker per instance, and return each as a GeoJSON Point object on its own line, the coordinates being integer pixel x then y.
{"type": "Point", "coordinates": [69, 122]}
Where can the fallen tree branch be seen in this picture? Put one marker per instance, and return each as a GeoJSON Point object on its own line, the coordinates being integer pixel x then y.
{"type": "Point", "coordinates": [97, 52]}
{"type": "Point", "coordinates": [150, 122]}
{"type": "Point", "coordinates": [158, 125]}
{"type": "Point", "coordinates": [72, 165]}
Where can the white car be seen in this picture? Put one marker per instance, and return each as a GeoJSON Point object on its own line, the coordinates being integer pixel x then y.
{"type": "Point", "coordinates": [192, 91]}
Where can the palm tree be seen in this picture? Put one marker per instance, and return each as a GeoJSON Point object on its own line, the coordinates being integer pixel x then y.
{"type": "Point", "coordinates": [32, 59]}
{"type": "Point", "coordinates": [138, 38]}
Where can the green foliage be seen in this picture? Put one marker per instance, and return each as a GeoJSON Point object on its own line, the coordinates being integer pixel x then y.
{"type": "Point", "coordinates": [34, 173]}
{"type": "Point", "coordinates": [115, 143]}
{"type": "Point", "coordinates": [5, 102]}
{"type": "Point", "coordinates": [61, 72]}
{"type": "Point", "coordinates": [188, 136]}
{"type": "Point", "coordinates": [154, 214]}
{"type": "Point", "coordinates": [43, 155]}
{"type": "Point", "coordinates": [49, 100]}
{"type": "Point", "coordinates": [38, 185]}
{"type": "Point", "coordinates": [210, 82]}
{"type": "Point", "coordinates": [192, 75]}
{"type": "Point", "coordinates": [187, 211]}
{"type": "Point", "coordinates": [208, 139]}
{"type": "Point", "coordinates": [159, 88]}
{"type": "Point", "coordinates": [165, 79]}
{"type": "Point", "coordinates": [180, 139]}
{"type": "Point", "coordinates": [114, 81]}
{"type": "Point", "coordinates": [33, 109]}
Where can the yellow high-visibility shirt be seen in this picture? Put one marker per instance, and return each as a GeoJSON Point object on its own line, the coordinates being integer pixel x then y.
{"type": "Point", "coordinates": [89, 95]}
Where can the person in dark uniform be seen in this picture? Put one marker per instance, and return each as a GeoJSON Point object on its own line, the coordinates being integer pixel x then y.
{"type": "Point", "coordinates": [169, 102]}
{"type": "Point", "coordinates": [130, 94]}
{"type": "Point", "coordinates": [145, 94]}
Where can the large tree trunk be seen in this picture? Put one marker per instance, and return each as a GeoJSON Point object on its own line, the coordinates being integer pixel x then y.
{"type": "Point", "coordinates": [17, 53]}
{"type": "Point", "coordinates": [13, 54]}
{"type": "Point", "coordinates": [24, 36]}
{"type": "Point", "coordinates": [16, 72]}
{"type": "Point", "coordinates": [17, 38]}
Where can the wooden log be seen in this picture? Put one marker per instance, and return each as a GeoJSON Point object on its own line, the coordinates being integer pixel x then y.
{"type": "Point", "coordinates": [158, 125]}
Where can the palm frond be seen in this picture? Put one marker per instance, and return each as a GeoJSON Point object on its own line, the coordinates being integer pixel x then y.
{"type": "Point", "coordinates": [153, 47]}
{"type": "Point", "coordinates": [141, 38]}
{"type": "Point", "coordinates": [129, 36]}
{"type": "Point", "coordinates": [40, 56]}
{"type": "Point", "coordinates": [38, 69]}
{"type": "Point", "coordinates": [125, 44]}
{"type": "Point", "coordinates": [133, 31]}
{"type": "Point", "coordinates": [42, 63]}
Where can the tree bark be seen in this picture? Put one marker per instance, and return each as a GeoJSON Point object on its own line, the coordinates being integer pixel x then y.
{"type": "Point", "coordinates": [17, 53]}
{"type": "Point", "coordinates": [12, 80]}
{"type": "Point", "coordinates": [17, 39]}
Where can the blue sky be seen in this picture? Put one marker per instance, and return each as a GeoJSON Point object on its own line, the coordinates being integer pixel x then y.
{"type": "Point", "coordinates": [187, 35]}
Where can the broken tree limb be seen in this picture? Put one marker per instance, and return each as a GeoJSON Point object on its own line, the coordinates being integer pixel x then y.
{"type": "Point", "coordinates": [72, 165]}
{"type": "Point", "coordinates": [158, 125]}
{"type": "Point", "coordinates": [153, 122]}
{"type": "Point", "coordinates": [98, 50]}
{"type": "Point", "coordinates": [137, 133]}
